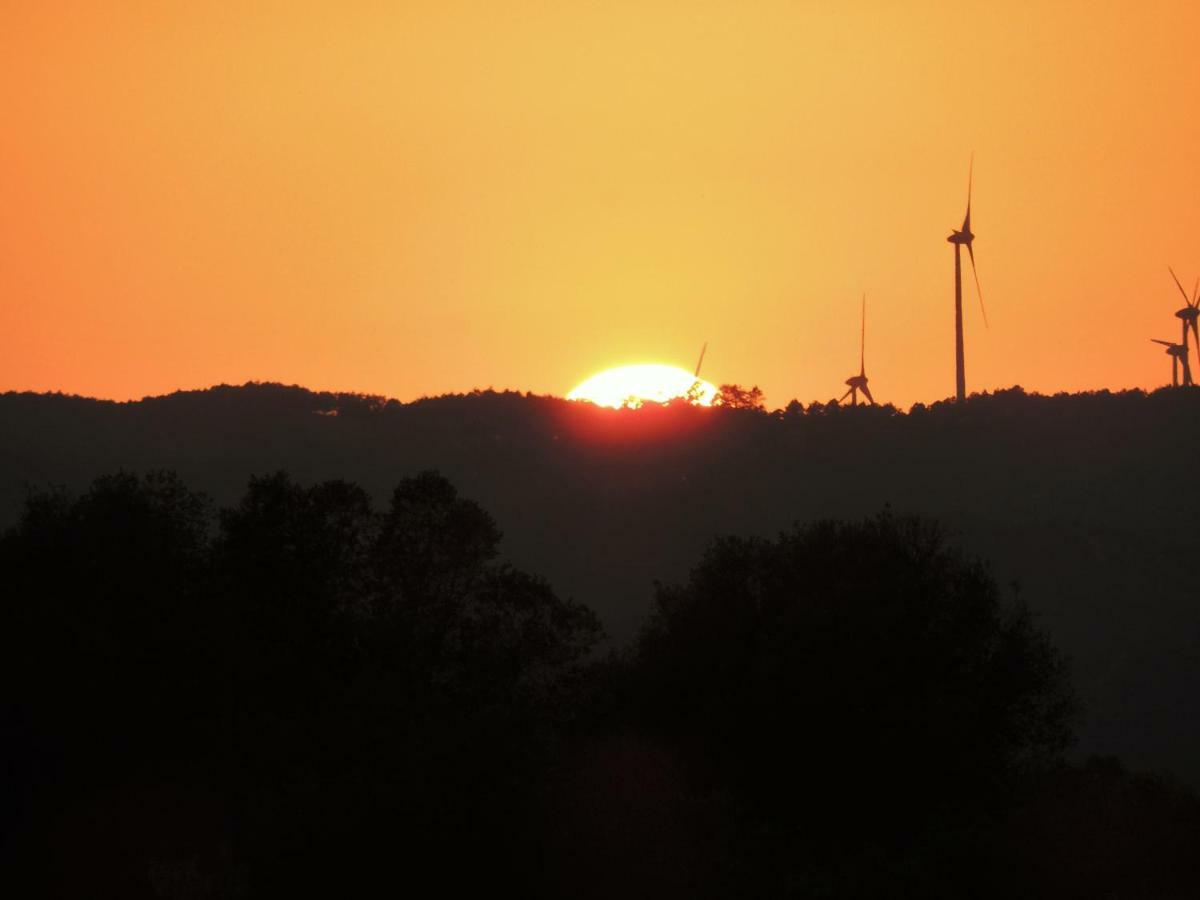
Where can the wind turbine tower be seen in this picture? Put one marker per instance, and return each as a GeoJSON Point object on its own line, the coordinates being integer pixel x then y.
{"type": "Point", "coordinates": [1189, 314]}
{"type": "Point", "coordinates": [959, 238]}
{"type": "Point", "coordinates": [1178, 354]}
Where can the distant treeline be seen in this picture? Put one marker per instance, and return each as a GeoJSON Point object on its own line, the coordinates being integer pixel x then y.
{"type": "Point", "coordinates": [305, 693]}
{"type": "Point", "coordinates": [294, 398]}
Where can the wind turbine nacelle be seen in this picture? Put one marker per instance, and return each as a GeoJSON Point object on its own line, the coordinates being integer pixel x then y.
{"type": "Point", "coordinates": [961, 237]}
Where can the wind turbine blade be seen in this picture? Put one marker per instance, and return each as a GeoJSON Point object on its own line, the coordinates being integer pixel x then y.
{"type": "Point", "coordinates": [1180, 286]}
{"type": "Point", "coordinates": [866, 390]}
{"type": "Point", "coordinates": [700, 361]}
{"type": "Point", "coordinates": [1164, 343]}
{"type": "Point", "coordinates": [978, 289]}
{"type": "Point", "coordinates": [862, 347]}
{"type": "Point", "coordinates": [970, 178]}
{"type": "Point", "coordinates": [970, 182]}
{"type": "Point", "coordinates": [1195, 293]}
{"type": "Point", "coordinates": [845, 395]}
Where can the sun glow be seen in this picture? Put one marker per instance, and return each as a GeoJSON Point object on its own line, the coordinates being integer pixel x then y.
{"type": "Point", "coordinates": [632, 386]}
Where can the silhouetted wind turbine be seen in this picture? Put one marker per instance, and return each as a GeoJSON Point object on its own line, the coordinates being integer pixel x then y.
{"type": "Point", "coordinates": [958, 239]}
{"type": "Point", "coordinates": [859, 382]}
{"type": "Point", "coordinates": [696, 390]}
{"type": "Point", "coordinates": [1190, 313]}
{"type": "Point", "coordinates": [1178, 354]}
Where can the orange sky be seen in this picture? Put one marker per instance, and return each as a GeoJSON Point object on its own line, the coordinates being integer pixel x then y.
{"type": "Point", "coordinates": [419, 198]}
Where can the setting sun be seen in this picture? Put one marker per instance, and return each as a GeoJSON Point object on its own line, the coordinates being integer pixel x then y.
{"type": "Point", "coordinates": [632, 386]}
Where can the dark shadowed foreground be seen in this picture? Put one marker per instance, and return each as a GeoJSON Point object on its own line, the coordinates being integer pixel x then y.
{"type": "Point", "coordinates": [1085, 505]}
{"type": "Point", "coordinates": [305, 694]}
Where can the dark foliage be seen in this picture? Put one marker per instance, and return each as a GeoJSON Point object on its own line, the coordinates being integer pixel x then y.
{"type": "Point", "coordinates": [860, 695]}
{"type": "Point", "coordinates": [328, 693]}
{"type": "Point", "coordinates": [332, 690]}
{"type": "Point", "coordinates": [734, 396]}
{"type": "Point", "coordinates": [1079, 497]}
{"type": "Point", "coordinates": [1098, 830]}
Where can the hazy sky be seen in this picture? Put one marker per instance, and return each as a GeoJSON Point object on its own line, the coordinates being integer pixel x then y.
{"type": "Point", "coordinates": [420, 198]}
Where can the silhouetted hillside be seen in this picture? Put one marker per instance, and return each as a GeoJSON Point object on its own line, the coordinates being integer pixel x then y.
{"type": "Point", "coordinates": [1085, 504]}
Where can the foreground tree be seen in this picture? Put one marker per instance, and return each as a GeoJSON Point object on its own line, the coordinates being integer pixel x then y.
{"type": "Point", "coordinates": [859, 695]}
{"type": "Point", "coordinates": [319, 697]}
{"type": "Point", "coordinates": [437, 674]}
{"type": "Point", "coordinates": [101, 595]}
{"type": "Point", "coordinates": [484, 630]}
{"type": "Point", "coordinates": [340, 698]}
{"type": "Point", "coordinates": [1095, 829]}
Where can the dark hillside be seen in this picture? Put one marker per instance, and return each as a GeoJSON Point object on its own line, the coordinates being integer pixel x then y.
{"type": "Point", "coordinates": [1086, 504]}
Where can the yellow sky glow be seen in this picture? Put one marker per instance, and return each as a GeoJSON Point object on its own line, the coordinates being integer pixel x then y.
{"type": "Point", "coordinates": [429, 197]}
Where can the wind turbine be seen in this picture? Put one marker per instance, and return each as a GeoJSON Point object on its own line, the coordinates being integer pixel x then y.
{"type": "Point", "coordinates": [859, 382]}
{"type": "Point", "coordinates": [1189, 314]}
{"type": "Point", "coordinates": [695, 392]}
{"type": "Point", "coordinates": [958, 239]}
{"type": "Point", "coordinates": [1178, 354]}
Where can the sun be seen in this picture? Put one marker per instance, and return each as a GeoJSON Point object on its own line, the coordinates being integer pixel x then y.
{"type": "Point", "coordinates": [632, 386]}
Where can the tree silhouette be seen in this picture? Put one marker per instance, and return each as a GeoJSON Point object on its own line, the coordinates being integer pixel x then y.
{"type": "Point", "coordinates": [432, 544]}
{"type": "Point", "coordinates": [859, 689]}
{"type": "Point", "coordinates": [310, 695]}
{"type": "Point", "coordinates": [101, 593]}
{"type": "Point", "coordinates": [1097, 830]}
{"type": "Point", "coordinates": [397, 632]}
{"type": "Point", "coordinates": [479, 629]}
{"type": "Point", "coordinates": [102, 676]}
{"type": "Point", "coordinates": [365, 688]}
{"type": "Point", "coordinates": [290, 566]}
{"type": "Point", "coordinates": [734, 396]}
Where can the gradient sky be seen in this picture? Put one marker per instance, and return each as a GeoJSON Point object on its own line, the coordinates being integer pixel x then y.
{"type": "Point", "coordinates": [420, 198]}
